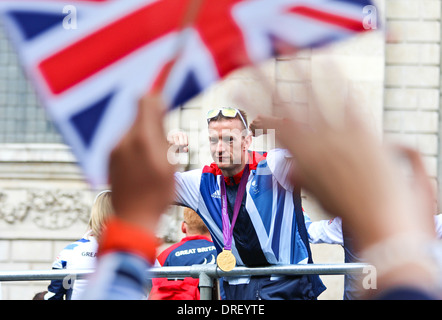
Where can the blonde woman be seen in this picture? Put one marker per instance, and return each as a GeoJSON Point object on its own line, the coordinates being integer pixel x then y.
{"type": "Point", "coordinates": [81, 254]}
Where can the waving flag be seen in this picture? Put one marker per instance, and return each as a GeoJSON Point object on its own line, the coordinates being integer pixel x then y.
{"type": "Point", "coordinates": [91, 60]}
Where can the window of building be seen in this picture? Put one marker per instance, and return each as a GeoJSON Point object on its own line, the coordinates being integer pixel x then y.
{"type": "Point", "coordinates": [22, 118]}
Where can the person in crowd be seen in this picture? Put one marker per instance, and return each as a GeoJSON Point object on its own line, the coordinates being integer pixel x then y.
{"type": "Point", "coordinates": [390, 219]}
{"type": "Point", "coordinates": [331, 231]}
{"type": "Point", "coordinates": [253, 212]}
{"type": "Point", "coordinates": [39, 295]}
{"type": "Point", "coordinates": [195, 248]}
{"type": "Point", "coordinates": [372, 197]}
{"type": "Point", "coordinates": [82, 253]}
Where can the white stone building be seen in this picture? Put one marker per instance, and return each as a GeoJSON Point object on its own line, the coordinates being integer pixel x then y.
{"type": "Point", "coordinates": [44, 201]}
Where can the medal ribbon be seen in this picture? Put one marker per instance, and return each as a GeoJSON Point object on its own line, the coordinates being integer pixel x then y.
{"type": "Point", "coordinates": [227, 228]}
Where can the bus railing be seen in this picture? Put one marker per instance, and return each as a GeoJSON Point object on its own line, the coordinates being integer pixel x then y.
{"type": "Point", "coordinates": [207, 274]}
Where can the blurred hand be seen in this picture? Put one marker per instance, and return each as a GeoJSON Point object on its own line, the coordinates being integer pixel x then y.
{"type": "Point", "coordinates": [352, 174]}
{"type": "Point", "coordinates": [141, 177]}
{"type": "Point", "coordinates": [262, 123]}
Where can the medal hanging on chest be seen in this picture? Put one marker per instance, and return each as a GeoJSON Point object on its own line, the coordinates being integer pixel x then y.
{"type": "Point", "coordinates": [226, 261]}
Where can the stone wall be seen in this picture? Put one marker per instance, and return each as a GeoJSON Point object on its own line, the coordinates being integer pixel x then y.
{"type": "Point", "coordinates": [44, 205]}
{"type": "Point", "coordinates": [412, 78]}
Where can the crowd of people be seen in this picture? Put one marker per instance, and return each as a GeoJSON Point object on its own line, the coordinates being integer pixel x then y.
{"type": "Point", "coordinates": [251, 213]}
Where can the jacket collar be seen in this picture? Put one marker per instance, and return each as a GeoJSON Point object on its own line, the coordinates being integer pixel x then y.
{"type": "Point", "coordinates": [196, 237]}
{"type": "Point", "coordinates": [254, 159]}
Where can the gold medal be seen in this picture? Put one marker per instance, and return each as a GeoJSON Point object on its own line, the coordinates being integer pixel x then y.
{"type": "Point", "coordinates": [226, 260]}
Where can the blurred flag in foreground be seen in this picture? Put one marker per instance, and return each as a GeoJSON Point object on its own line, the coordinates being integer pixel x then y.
{"type": "Point", "coordinates": [91, 60]}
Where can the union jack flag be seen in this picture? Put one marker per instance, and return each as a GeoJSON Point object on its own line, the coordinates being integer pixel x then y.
{"type": "Point", "coordinates": [91, 60]}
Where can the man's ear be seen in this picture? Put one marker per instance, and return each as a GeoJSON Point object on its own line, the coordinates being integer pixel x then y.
{"type": "Point", "coordinates": [183, 227]}
{"type": "Point", "coordinates": [247, 141]}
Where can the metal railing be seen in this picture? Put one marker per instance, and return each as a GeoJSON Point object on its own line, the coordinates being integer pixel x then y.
{"type": "Point", "coordinates": [206, 274]}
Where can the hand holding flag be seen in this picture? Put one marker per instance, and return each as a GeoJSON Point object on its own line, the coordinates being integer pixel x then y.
{"type": "Point", "coordinates": [90, 78]}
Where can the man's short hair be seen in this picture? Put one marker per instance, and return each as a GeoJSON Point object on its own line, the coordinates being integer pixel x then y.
{"type": "Point", "coordinates": [194, 223]}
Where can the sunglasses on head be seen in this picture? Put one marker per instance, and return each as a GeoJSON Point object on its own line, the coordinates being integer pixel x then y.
{"type": "Point", "coordinates": [226, 112]}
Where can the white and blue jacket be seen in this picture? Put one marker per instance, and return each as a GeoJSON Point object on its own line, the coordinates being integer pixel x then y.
{"type": "Point", "coordinates": [266, 231]}
{"type": "Point", "coordinates": [81, 254]}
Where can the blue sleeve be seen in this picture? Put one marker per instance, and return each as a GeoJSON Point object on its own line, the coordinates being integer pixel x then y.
{"type": "Point", "coordinates": [56, 290]}
{"type": "Point", "coordinates": [119, 276]}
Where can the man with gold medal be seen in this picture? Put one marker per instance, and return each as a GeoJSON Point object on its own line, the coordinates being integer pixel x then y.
{"type": "Point", "coordinates": [247, 202]}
